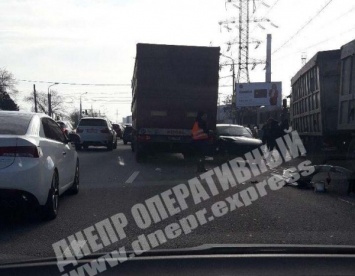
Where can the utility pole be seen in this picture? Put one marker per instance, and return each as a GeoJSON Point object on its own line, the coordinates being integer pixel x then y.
{"type": "Point", "coordinates": [50, 99]}
{"type": "Point", "coordinates": [80, 109]}
{"type": "Point", "coordinates": [268, 59]}
{"type": "Point", "coordinates": [35, 97]}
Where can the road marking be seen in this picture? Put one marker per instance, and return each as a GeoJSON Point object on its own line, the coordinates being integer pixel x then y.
{"type": "Point", "coordinates": [351, 203]}
{"type": "Point", "coordinates": [121, 161]}
{"type": "Point", "coordinates": [132, 177]}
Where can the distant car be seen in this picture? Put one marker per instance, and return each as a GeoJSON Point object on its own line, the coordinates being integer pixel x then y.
{"type": "Point", "coordinates": [118, 129]}
{"type": "Point", "coordinates": [233, 141]}
{"type": "Point", "coordinates": [96, 131]}
{"type": "Point", "coordinates": [127, 134]}
{"type": "Point", "coordinates": [38, 163]}
{"type": "Point", "coordinates": [66, 127]}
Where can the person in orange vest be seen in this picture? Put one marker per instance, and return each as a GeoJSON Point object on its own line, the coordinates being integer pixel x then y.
{"type": "Point", "coordinates": [200, 139]}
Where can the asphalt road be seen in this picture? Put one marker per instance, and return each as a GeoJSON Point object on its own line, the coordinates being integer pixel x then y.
{"type": "Point", "coordinates": [112, 182]}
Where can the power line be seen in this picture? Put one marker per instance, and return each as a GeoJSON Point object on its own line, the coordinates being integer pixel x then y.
{"type": "Point", "coordinates": [304, 26]}
{"type": "Point", "coordinates": [316, 44]}
{"type": "Point", "coordinates": [268, 11]}
{"type": "Point", "coordinates": [79, 84]}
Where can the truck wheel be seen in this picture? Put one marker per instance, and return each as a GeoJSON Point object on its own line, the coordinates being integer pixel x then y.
{"type": "Point", "coordinates": [140, 156]}
{"type": "Point", "coordinates": [132, 147]}
{"type": "Point", "coordinates": [188, 156]}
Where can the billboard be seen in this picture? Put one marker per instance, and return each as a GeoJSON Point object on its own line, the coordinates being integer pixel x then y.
{"type": "Point", "coordinates": [258, 94]}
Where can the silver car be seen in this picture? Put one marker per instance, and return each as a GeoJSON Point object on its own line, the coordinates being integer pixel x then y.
{"type": "Point", "coordinates": [94, 131]}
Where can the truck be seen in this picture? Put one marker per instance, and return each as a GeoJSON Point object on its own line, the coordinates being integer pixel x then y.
{"type": "Point", "coordinates": [322, 103]}
{"type": "Point", "coordinates": [170, 85]}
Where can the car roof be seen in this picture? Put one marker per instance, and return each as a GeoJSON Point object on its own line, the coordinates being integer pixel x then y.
{"type": "Point", "coordinates": [226, 125]}
{"type": "Point", "coordinates": [94, 118]}
{"type": "Point", "coordinates": [23, 113]}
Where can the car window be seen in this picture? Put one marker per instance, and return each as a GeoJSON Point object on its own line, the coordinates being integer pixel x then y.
{"type": "Point", "coordinates": [61, 124]}
{"type": "Point", "coordinates": [93, 122]}
{"type": "Point", "coordinates": [52, 130]}
{"type": "Point", "coordinates": [14, 124]}
{"type": "Point", "coordinates": [128, 130]}
{"type": "Point", "coordinates": [233, 131]}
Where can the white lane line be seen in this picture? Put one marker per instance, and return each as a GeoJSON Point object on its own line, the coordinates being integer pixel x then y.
{"type": "Point", "coordinates": [351, 203]}
{"type": "Point", "coordinates": [132, 177]}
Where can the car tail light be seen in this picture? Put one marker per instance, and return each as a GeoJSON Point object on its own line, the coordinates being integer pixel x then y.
{"type": "Point", "coordinates": [26, 151]}
{"type": "Point", "coordinates": [105, 130]}
{"type": "Point", "coordinates": [143, 138]}
{"type": "Point", "coordinates": [79, 130]}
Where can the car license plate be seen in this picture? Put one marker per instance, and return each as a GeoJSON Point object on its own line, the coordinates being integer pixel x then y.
{"type": "Point", "coordinates": [91, 131]}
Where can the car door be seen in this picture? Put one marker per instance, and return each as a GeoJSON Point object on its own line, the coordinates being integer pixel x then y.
{"type": "Point", "coordinates": [62, 152]}
{"type": "Point", "coordinates": [112, 131]}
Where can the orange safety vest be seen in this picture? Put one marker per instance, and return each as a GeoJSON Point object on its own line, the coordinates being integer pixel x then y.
{"type": "Point", "coordinates": [197, 133]}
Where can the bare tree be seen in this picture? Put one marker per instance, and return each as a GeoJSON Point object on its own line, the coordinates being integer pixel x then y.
{"type": "Point", "coordinates": [7, 83]}
{"type": "Point", "coordinates": [74, 118]}
{"type": "Point", "coordinates": [58, 107]}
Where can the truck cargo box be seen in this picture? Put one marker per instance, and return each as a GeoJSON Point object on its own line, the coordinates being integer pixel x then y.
{"type": "Point", "coordinates": [170, 85]}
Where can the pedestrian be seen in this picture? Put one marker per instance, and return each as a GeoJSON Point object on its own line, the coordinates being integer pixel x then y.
{"type": "Point", "coordinates": [200, 140]}
{"type": "Point", "coordinates": [275, 132]}
{"type": "Point", "coordinates": [283, 129]}
{"type": "Point", "coordinates": [266, 134]}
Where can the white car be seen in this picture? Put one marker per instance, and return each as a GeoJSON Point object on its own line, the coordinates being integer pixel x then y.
{"type": "Point", "coordinates": [38, 163]}
{"type": "Point", "coordinates": [96, 131]}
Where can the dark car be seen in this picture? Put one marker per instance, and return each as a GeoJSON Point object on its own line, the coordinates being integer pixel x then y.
{"type": "Point", "coordinates": [127, 134]}
{"type": "Point", "coordinates": [118, 129]}
{"type": "Point", "coordinates": [233, 141]}
{"type": "Point", "coordinates": [66, 127]}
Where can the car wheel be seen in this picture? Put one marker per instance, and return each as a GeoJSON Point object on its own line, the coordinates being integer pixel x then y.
{"type": "Point", "coordinates": [50, 209]}
{"type": "Point", "coordinates": [75, 187]}
{"type": "Point", "coordinates": [110, 146]}
{"type": "Point", "coordinates": [85, 147]}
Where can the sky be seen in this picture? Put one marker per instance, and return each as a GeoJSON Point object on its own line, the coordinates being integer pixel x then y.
{"type": "Point", "coordinates": [94, 42]}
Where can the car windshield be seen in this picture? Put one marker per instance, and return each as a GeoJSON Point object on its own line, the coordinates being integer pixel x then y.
{"type": "Point", "coordinates": [92, 122]}
{"type": "Point", "coordinates": [128, 129]}
{"type": "Point", "coordinates": [184, 123]}
{"type": "Point", "coordinates": [62, 125]}
{"type": "Point", "coordinates": [233, 131]}
{"type": "Point", "coordinates": [14, 124]}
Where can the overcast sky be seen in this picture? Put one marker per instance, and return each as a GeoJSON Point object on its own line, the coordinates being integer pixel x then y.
{"type": "Point", "coordinates": [86, 41]}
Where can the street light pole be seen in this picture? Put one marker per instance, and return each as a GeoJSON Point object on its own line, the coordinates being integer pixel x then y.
{"type": "Point", "coordinates": [81, 111]}
{"type": "Point", "coordinates": [233, 86]}
{"type": "Point", "coordinates": [50, 100]}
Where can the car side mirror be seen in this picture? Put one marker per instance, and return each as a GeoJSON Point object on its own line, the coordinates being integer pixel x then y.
{"type": "Point", "coordinates": [74, 138]}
